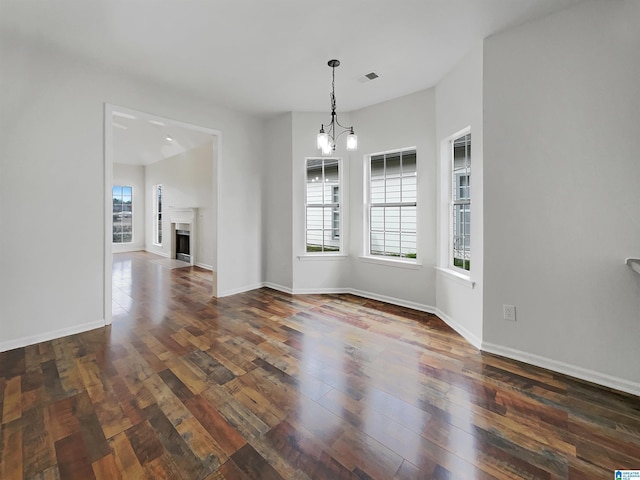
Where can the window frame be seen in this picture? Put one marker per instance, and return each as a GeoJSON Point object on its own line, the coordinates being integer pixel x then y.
{"type": "Point", "coordinates": [157, 215]}
{"type": "Point", "coordinates": [336, 210]}
{"type": "Point", "coordinates": [454, 201]}
{"type": "Point", "coordinates": [121, 211]}
{"type": "Point", "coordinates": [384, 258]}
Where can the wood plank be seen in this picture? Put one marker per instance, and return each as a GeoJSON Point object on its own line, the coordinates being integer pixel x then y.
{"type": "Point", "coordinates": [229, 439]}
{"type": "Point", "coordinates": [73, 458]}
{"type": "Point", "coordinates": [12, 401]}
{"type": "Point", "coordinates": [125, 457]}
{"type": "Point", "coordinates": [106, 468]}
{"type": "Point", "coordinates": [251, 464]}
{"type": "Point", "coordinates": [144, 442]}
{"type": "Point", "coordinates": [11, 464]}
{"type": "Point", "coordinates": [186, 461]}
{"type": "Point", "coordinates": [38, 446]}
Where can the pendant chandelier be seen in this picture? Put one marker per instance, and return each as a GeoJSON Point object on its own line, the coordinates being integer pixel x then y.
{"type": "Point", "coordinates": [327, 137]}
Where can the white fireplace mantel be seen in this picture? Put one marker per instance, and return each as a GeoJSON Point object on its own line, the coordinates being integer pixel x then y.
{"type": "Point", "coordinates": [183, 218]}
{"type": "Point", "coordinates": [182, 215]}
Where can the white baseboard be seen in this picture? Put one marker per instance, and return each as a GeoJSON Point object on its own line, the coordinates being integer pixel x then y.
{"type": "Point", "coordinates": [463, 331]}
{"type": "Point", "coordinates": [370, 295]}
{"type": "Point", "coordinates": [127, 247]}
{"type": "Point", "coordinates": [320, 291]}
{"type": "Point", "coordinates": [205, 266]}
{"type": "Point", "coordinates": [51, 335]}
{"type": "Point", "coordinates": [156, 252]}
{"type": "Point", "coordinates": [359, 293]}
{"type": "Point", "coordinates": [564, 368]}
{"type": "Point", "coordinates": [392, 300]}
{"type": "Point", "coordinates": [235, 291]}
{"type": "Point", "coordinates": [280, 288]}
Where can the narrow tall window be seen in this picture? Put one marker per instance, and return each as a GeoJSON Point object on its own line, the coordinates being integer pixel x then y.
{"type": "Point", "coordinates": [461, 202]}
{"type": "Point", "coordinates": [157, 214]}
{"type": "Point", "coordinates": [122, 214]}
{"type": "Point", "coordinates": [393, 204]}
{"type": "Point", "coordinates": [323, 205]}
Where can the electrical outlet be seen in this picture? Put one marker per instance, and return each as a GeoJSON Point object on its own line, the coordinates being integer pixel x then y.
{"type": "Point", "coordinates": [509, 312]}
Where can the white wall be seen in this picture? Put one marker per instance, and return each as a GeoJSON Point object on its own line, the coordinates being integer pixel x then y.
{"type": "Point", "coordinates": [561, 124]}
{"type": "Point", "coordinates": [407, 121]}
{"type": "Point", "coordinates": [132, 176]}
{"type": "Point", "coordinates": [312, 273]}
{"type": "Point", "coordinates": [51, 155]}
{"type": "Point", "coordinates": [187, 182]}
{"type": "Point", "coordinates": [458, 106]}
{"type": "Point", "coordinates": [277, 204]}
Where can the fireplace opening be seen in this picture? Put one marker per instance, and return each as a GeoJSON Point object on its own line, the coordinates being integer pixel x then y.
{"type": "Point", "coordinates": [182, 245]}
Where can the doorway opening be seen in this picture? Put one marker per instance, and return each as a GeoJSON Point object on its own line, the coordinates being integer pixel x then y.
{"type": "Point", "coordinates": [148, 152]}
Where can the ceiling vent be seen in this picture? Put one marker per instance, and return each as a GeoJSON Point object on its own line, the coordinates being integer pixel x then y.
{"type": "Point", "coordinates": [367, 77]}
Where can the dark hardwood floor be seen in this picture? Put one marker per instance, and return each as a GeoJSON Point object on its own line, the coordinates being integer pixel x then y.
{"type": "Point", "coordinates": [265, 385]}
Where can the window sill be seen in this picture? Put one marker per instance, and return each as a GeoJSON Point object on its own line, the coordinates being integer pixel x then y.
{"type": "Point", "coordinates": [392, 263]}
{"type": "Point", "coordinates": [460, 278]}
{"type": "Point", "coordinates": [322, 256]}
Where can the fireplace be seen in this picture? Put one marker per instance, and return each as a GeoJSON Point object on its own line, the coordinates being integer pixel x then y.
{"type": "Point", "coordinates": [182, 245]}
{"type": "Point", "coordinates": [183, 233]}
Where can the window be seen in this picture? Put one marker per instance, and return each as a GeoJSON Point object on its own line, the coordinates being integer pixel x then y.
{"type": "Point", "coordinates": [157, 214]}
{"type": "Point", "coordinates": [392, 204]}
{"type": "Point", "coordinates": [335, 232]}
{"type": "Point", "coordinates": [323, 205]}
{"type": "Point", "coordinates": [461, 202]}
{"type": "Point", "coordinates": [122, 214]}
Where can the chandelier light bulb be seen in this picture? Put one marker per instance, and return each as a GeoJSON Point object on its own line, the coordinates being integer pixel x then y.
{"type": "Point", "coordinates": [352, 141]}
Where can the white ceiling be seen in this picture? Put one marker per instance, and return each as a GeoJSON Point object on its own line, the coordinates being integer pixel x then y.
{"type": "Point", "coordinates": [140, 139]}
{"type": "Point", "coordinates": [269, 56]}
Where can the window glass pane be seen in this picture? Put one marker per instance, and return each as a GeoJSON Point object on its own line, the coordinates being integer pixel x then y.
{"type": "Point", "coordinates": [409, 163]}
{"type": "Point", "coordinates": [377, 167]}
{"type": "Point", "coordinates": [377, 243]}
{"type": "Point", "coordinates": [408, 219]}
{"type": "Point", "coordinates": [392, 244]}
{"type": "Point", "coordinates": [314, 218]}
{"type": "Point", "coordinates": [327, 191]}
{"type": "Point", "coordinates": [393, 190]}
{"type": "Point", "coordinates": [461, 234]}
{"type": "Point", "coordinates": [409, 188]}
{"type": "Point", "coordinates": [331, 179]}
{"type": "Point", "coordinates": [393, 165]}
{"type": "Point", "coordinates": [409, 174]}
{"type": "Point", "coordinates": [392, 219]}
{"type": "Point", "coordinates": [377, 190]}
{"type": "Point", "coordinates": [408, 246]}
{"type": "Point", "coordinates": [377, 218]}
{"type": "Point", "coordinates": [314, 192]}
{"type": "Point", "coordinates": [314, 240]}
{"type": "Point", "coordinates": [335, 194]}
{"type": "Point", "coordinates": [461, 167]}
{"type": "Point", "coordinates": [335, 223]}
